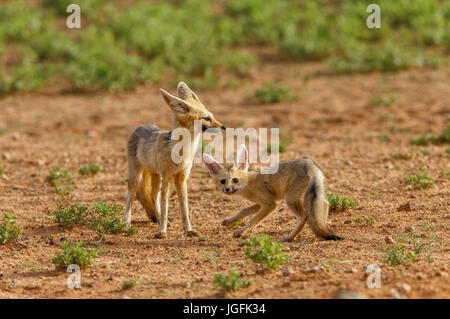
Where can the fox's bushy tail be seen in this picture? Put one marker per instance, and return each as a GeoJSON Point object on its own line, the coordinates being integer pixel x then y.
{"type": "Point", "coordinates": [317, 210]}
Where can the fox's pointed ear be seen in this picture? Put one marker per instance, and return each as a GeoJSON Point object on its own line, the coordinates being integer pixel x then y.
{"type": "Point", "coordinates": [213, 166]}
{"type": "Point", "coordinates": [242, 158]}
{"type": "Point", "coordinates": [184, 92]}
{"type": "Point", "coordinates": [176, 104]}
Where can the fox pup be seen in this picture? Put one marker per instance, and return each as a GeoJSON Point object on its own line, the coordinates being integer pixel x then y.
{"type": "Point", "coordinates": [151, 169]}
{"type": "Point", "coordinates": [299, 182]}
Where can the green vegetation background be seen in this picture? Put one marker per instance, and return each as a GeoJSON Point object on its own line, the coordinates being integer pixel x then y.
{"type": "Point", "coordinates": [121, 46]}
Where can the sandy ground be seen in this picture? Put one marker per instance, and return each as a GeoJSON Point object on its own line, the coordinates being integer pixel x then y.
{"type": "Point", "coordinates": [332, 122]}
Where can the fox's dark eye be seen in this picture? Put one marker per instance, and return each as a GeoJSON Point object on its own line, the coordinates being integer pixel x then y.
{"type": "Point", "coordinates": [223, 181]}
{"type": "Point", "coordinates": [207, 118]}
{"type": "Point", "coordinates": [235, 180]}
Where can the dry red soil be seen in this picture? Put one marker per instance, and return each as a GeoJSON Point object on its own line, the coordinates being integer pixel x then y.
{"type": "Point", "coordinates": [332, 122]}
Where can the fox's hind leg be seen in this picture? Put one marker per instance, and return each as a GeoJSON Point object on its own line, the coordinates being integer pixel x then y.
{"type": "Point", "coordinates": [143, 194]}
{"type": "Point", "coordinates": [242, 213]}
{"type": "Point", "coordinates": [296, 206]}
{"type": "Point", "coordinates": [134, 177]}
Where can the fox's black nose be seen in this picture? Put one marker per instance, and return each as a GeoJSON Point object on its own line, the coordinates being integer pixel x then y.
{"type": "Point", "coordinates": [224, 127]}
{"type": "Point", "coordinates": [227, 190]}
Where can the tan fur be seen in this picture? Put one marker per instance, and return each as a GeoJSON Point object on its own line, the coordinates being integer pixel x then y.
{"type": "Point", "coordinates": [151, 170]}
{"type": "Point", "coordinates": [299, 182]}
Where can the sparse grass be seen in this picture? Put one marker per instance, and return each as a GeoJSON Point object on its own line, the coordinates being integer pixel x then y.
{"type": "Point", "coordinates": [76, 254]}
{"type": "Point", "coordinates": [60, 179]}
{"type": "Point", "coordinates": [369, 220]}
{"type": "Point", "coordinates": [231, 282]}
{"type": "Point", "coordinates": [427, 138]}
{"type": "Point", "coordinates": [10, 231]}
{"type": "Point", "coordinates": [384, 138]}
{"type": "Point", "coordinates": [102, 217]}
{"type": "Point", "coordinates": [410, 248]}
{"type": "Point", "coordinates": [376, 100]}
{"type": "Point", "coordinates": [447, 150]}
{"type": "Point", "coordinates": [70, 216]}
{"type": "Point", "coordinates": [265, 250]}
{"type": "Point", "coordinates": [401, 155]}
{"type": "Point", "coordinates": [340, 203]}
{"type": "Point", "coordinates": [421, 180]}
{"type": "Point", "coordinates": [106, 219]}
{"type": "Point", "coordinates": [425, 152]}
{"type": "Point", "coordinates": [396, 255]}
{"type": "Point", "coordinates": [271, 93]}
{"type": "Point", "coordinates": [125, 46]}
{"type": "Point", "coordinates": [129, 284]}
{"type": "Point", "coordinates": [91, 169]}
{"type": "Point", "coordinates": [2, 171]}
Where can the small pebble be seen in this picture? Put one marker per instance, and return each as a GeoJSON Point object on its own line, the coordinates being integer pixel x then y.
{"type": "Point", "coordinates": [409, 229]}
{"type": "Point", "coordinates": [389, 240]}
{"type": "Point", "coordinates": [288, 272]}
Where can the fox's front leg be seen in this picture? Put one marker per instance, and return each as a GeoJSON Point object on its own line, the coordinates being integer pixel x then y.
{"type": "Point", "coordinates": [181, 186]}
{"type": "Point", "coordinates": [164, 209]}
{"type": "Point", "coordinates": [264, 211]}
{"type": "Point", "coordinates": [242, 213]}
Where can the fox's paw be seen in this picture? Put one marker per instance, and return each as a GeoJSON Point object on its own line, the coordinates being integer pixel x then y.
{"type": "Point", "coordinates": [192, 233]}
{"type": "Point", "coordinates": [226, 222]}
{"type": "Point", "coordinates": [161, 235]}
{"type": "Point", "coordinates": [237, 233]}
{"type": "Point", "coordinates": [286, 238]}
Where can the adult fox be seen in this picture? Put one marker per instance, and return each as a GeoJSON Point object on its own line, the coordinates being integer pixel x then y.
{"type": "Point", "coordinates": [151, 169]}
{"type": "Point", "coordinates": [298, 181]}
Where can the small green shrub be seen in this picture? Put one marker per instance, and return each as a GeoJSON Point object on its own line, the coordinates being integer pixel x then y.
{"type": "Point", "coordinates": [376, 100]}
{"type": "Point", "coordinates": [106, 219]}
{"type": "Point", "coordinates": [70, 216]}
{"type": "Point", "coordinates": [265, 250]}
{"type": "Point", "coordinates": [9, 230]}
{"type": "Point", "coordinates": [61, 180]}
{"type": "Point", "coordinates": [420, 180]}
{"type": "Point", "coordinates": [401, 155]}
{"type": "Point", "coordinates": [76, 254]}
{"type": "Point", "coordinates": [91, 169]}
{"type": "Point", "coordinates": [340, 203]}
{"type": "Point", "coordinates": [129, 284]}
{"type": "Point", "coordinates": [396, 255]}
{"type": "Point", "coordinates": [369, 220]}
{"type": "Point", "coordinates": [427, 138]}
{"type": "Point", "coordinates": [233, 281]}
{"type": "Point", "coordinates": [270, 93]}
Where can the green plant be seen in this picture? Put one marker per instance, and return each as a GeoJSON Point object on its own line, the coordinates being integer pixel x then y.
{"type": "Point", "coordinates": [340, 203]}
{"type": "Point", "coordinates": [401, 155]}
{"type": "Point", "coordinates": [233, 281]}
{"type": "Point", "coordinates": [128, 284]}
{"type": "Point", "coordinates": [396, 255]}
{"type": "Point", "coordinates": [264, 249]}
{"type": "Point", "coordinates": [2, 171]}
{"type": "Point", "coordinates": [106, 219]}
{"type": "Point", "coordinates": [427, 138]}
{"type": "Point", "coordinates": [76, 254]}
{"type": "Point", "coordinates": [91, 169]}
{"type": "Point", "coordinates": [61, 180]}
{"type": "Point", "coordinates": [420, 180]}
{"type": "Point", "coordinates": [270, 93]}
{"type": "Point", "coordinates": [376, 100]}
{"type": "Point", "coordinates": [282, 146]}
{"type": "Point", "coordinates": [447, 150]}
{"type": "Point", "coordinates": [369, 220]}
{"type": "Point", "coordinates": [70, 216]}
{"type": "Point", "coordinates": [9, 229]}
